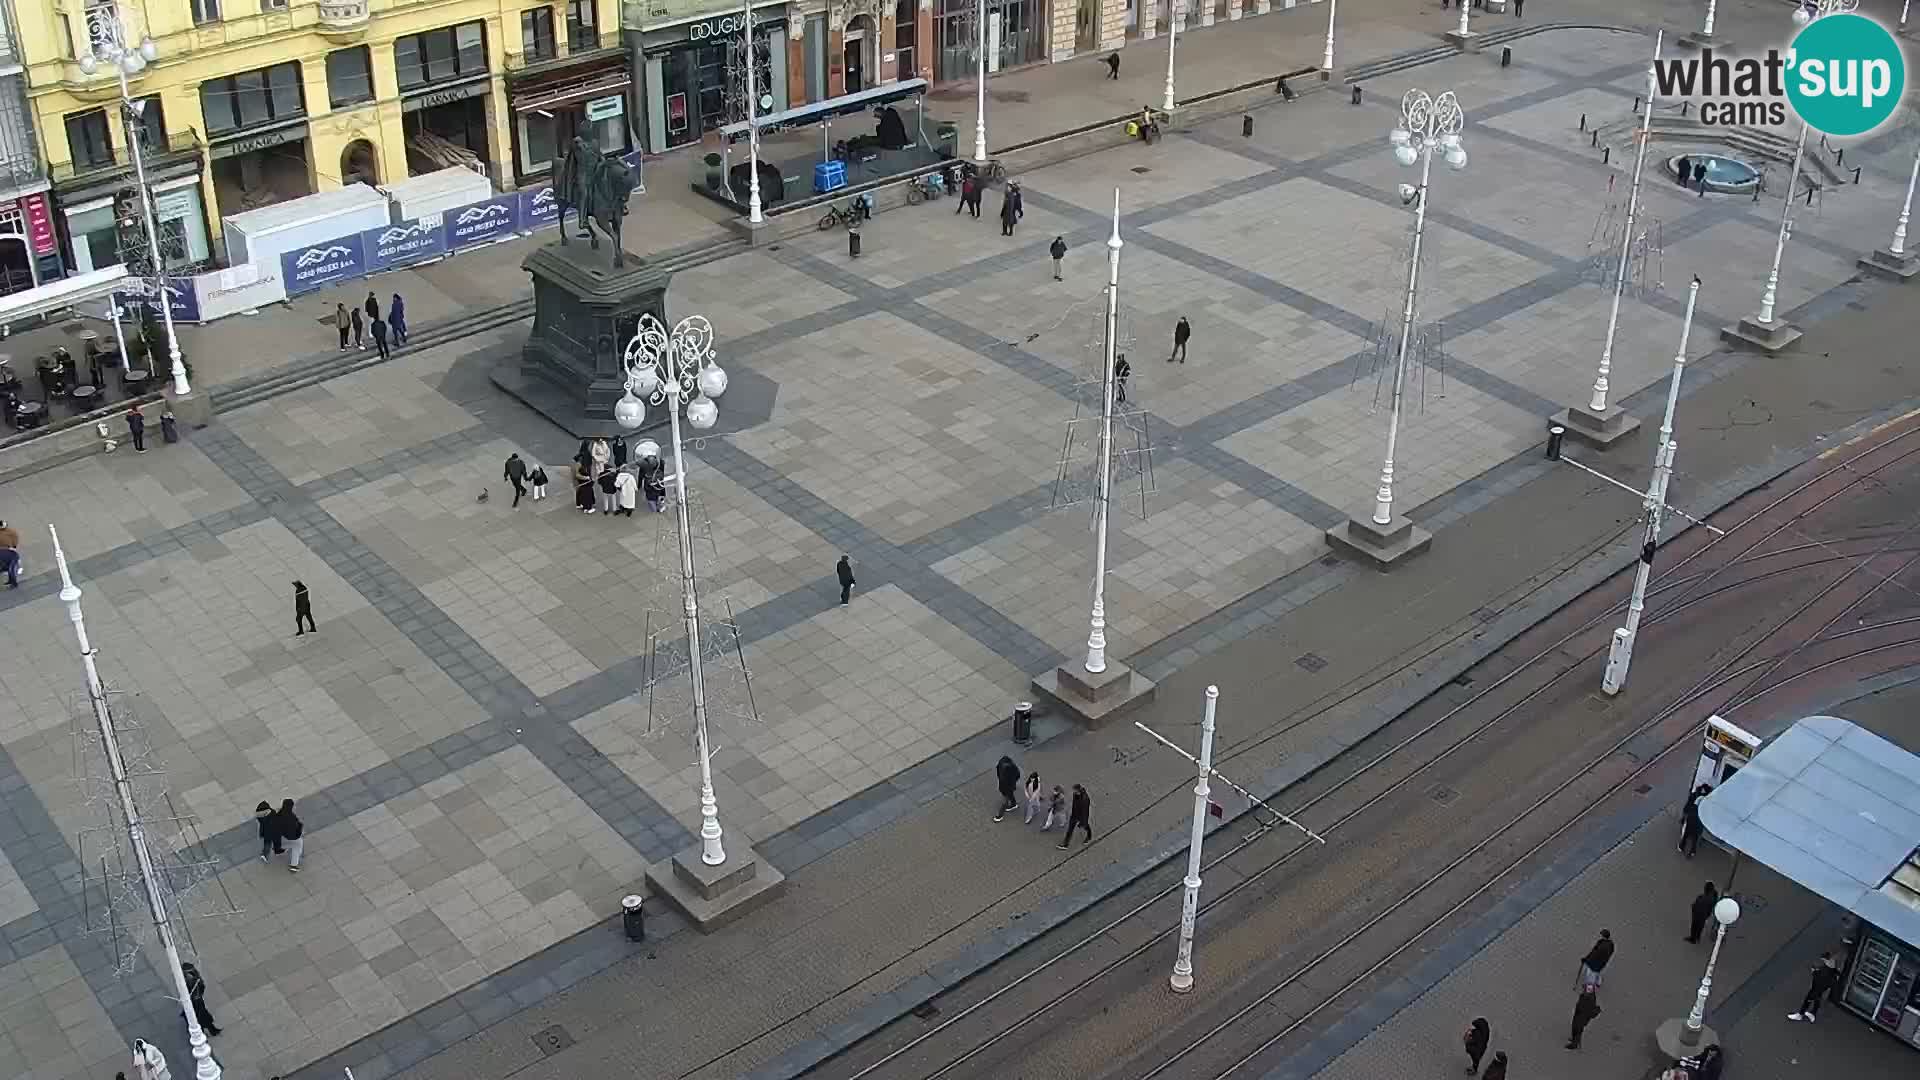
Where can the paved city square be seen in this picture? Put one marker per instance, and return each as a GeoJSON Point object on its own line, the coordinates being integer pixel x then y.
{"type": "Point", "coordinates": [483, 774]}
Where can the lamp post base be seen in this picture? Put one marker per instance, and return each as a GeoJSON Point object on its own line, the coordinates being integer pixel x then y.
{"type": "Point", "coordinates": [1886, 264]}
{"type": "Point", "coordinates": [1766, 336]}
{"type": "Point", "coordinates": [1381, 546]}
{"type": "Point", "coordinates": [194, 410]}
{"type": "Point", "coordinates": [1468, 40]}
{"type": "Point", "coordinates": [1676, 1042]}
{"type": "Point", "coordinates": [1697, 40]}
{"type": "Point", "coordinates": [1597, 429]}
{"type": "Point", "coordinates": [713, 896]}
{"type": "Point", "coordinates": [1095, 700]}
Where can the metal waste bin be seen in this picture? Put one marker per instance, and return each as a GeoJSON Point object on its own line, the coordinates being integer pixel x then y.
{"type": "Point", "coordinates": [853, 241]}
{"type": "Point", "coordinates": [634, 918]}
{"type": "Point", "coordinates": [1023, 723]}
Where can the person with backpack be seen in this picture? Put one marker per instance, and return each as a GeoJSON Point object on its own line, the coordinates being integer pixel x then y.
{"type": "Point", "coordinates": [288, 825]}
{"type": "Point", "coordinates": [1478, 1036]}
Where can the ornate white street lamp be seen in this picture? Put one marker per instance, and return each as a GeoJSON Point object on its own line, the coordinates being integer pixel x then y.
{"type": "Point", "coordinates": [1462, 34]}
{"type": "Point", "coordinates": [675, 368]}
{"type": "Point", "coordinates": [1898, 248]}
{"type": "Point", "coordinates": [1326, 61]}
{"type": "Point", "coordinates": [980, 91]}
{"type": "Point", "coordinates": [1182, 978]}
{"type": "Point", "coordinates": [1426, 124]}
{"type": "Point", "coordinates": [1725, 914]}
{"type": "Point", "coordinates": [107, 40]}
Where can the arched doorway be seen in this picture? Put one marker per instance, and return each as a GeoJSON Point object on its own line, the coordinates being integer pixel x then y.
{"type": "Point", "coordinates": [860, 68]}
{"type": "Point", "coordinates": [359, 164]}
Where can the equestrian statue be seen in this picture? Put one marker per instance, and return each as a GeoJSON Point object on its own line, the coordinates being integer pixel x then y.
{"type": "Point", "coordinates": [596, 187]}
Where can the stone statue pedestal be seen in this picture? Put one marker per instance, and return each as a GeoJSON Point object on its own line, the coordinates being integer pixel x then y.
{"type": "Point", "coordinates": [585, 312]}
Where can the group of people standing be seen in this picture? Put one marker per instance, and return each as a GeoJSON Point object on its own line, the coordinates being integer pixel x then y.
{"type": "Point", "coordinates": [604, 481]}
{"type": "Point", "coordinates": [973, 189]}
{"type": "Point", "coordinates": [394, 326]}
{"type": "Point", "coordinates": [1051, 806]}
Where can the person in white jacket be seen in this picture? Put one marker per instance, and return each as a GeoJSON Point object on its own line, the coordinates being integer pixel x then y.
{"type": "Point", "coordinates": [148, 1062]}
{"type": "Point", "coordinates": [626, 489]}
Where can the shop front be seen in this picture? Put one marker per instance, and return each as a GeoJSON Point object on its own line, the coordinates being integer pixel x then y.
{"type": "Point", "coordinates": [445, 90]}
{"type": "Point", "coordinates": [29, 250]}
{"type": "Point", "coordinates": [87, 204]}
{"type": "Point", "coordinates": [695, 77]}
{"type": "Point", "coordinates": [1882, 982]}
{"type": "Point", "coordinates": [551, 108]}
{"type": "Point", "coordinates": [255, 167]}
{"type": "Point", "coordinates": [1016, 34]}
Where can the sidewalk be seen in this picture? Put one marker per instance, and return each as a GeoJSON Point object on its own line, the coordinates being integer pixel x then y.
{"type": "Point", "coordinates": [1630, 880]}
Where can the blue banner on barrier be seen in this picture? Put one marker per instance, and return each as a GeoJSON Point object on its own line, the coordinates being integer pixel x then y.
{"type": "Point", "coordinates": [309, 268]}
{"type": "Point", "coordinates": [477, 223]}
{"type": "Point", "coordinates": [180, 297]}
{"type": "Point", "coordinates": [538, 207]}
{"type": "Point", "coordinates": [403, 244]}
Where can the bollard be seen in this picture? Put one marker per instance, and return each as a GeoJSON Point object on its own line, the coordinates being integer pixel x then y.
{"type": "Point", "coordinates": [1636, 103]}
{"type": "Point", "coordinates": [1023, 723]}
{"type": "Point", "coordinates": [1356, 95]}
{"type": "Point", "coordinates": [633, 918]}
{"type": "Point", "coordinates": [1811, 188]}
{"type": "Point", "coordinates": [1596, 138]}
{"type": "Point", "coordinates": [1606, 154]}
{"type": "Point", "coordinates": [1683, 107]}
{"type": "Point", "coordinates": [1839, 154]}
{"type": "Point", "coordinates": [1856, 174]}
{"type": "Point", "coordinates": [1506, 57]}
{"type": "Point", "coordinates": [1246, 126]}
{"type": "Point", "coordinates": [1280, 87]}
{"type": "Point", "coordinates": [1583, 121]}
{"type": "Point", "coordinates": [853, 242]}
{"type": "Point", "coordinates": [1555, 436]}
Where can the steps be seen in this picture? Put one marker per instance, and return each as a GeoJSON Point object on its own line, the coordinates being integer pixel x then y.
{"type": "Point", "coordinates": [316, 369]}
{"type": "Point", "coordinates": [1388, 65]}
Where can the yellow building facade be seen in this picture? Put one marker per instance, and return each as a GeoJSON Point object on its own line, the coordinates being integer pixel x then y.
{"type": "Point", "coordinates": [242, 107]}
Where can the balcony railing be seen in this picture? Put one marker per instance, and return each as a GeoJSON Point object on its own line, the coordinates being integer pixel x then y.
{"type": "Point", "coordinates": [9, 37]}
{"type": "Point", "coordinates": [585, 43]}
{"type": "Point", "coordinates": [179, 145]}
{"type": "Point", "coordinates": [343, 14]}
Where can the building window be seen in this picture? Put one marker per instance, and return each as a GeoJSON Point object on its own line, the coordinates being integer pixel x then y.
{"type": "Point", "coordinates": [150, 124]}
{"type": "Point", "coordinates": [906, 14]}
{"type": "Point", "coordinates": [88, 139]}
{"type": "Point", "coordinates": [437, 56]}
{"type": "Point", "coordinates": [205, 11]}
{"type": "Point", "coordinates": [349, 76]}
{"type": "Point", "coordinates": [253, 98]}
{"type": "Point", "coordinates": [536, 33]}
{"type": "Point", "coordinates": [581, 30]}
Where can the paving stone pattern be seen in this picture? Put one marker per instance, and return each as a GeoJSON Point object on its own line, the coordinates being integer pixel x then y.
{"type": "Point", "coordinates": [482, 769]}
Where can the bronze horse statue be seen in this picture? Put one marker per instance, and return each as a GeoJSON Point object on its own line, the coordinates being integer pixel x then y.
{"type": "Point", "coordinates": [596, 188]}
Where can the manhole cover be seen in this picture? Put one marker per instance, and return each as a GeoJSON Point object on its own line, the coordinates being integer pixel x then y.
{"type": "Point", "coordinates": [1486, 615]}
{"type": "Point", "coordinates": [1311, 662]}
{"type": "Point", "coordinates": [1443, 795]}
{"type": "Point", "coordinates": [1334, 560]}
{"type": "Point", "coordinates": [552, 1040]}
{"type": "Point", "coordinates": [1142, 169]}
{"type": "Point", "coordinates": [1462, 679]}
{"type": "Point", "coordinates": [926, 1010]}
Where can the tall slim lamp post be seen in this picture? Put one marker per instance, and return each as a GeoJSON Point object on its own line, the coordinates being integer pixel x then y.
{"type": "Point", "coordinates": [1894, 260]}
{"type": "Point", "coordinates": [1326, 61]}
{"type": "Point", "coordinates": [158, 908]}
{"type": "Point", "coordinates": [675, 368]}
{"type": "Point", "coordinates": [1182, 978]}
{"type": "Point", "coordinates": [1426, 124]}
{"type": "Point", "coordinates": [980, 90]}
{"type": "Point", "coordinates": [1602, 422]}
{"type": "Point", "coordinates": [1097, 636]}
{"type": "Point", "coordinates": [107, 40]}
{"type": "Point", "coordinates": [1725, 914]}
{"type": "Point", "coordinates": [754, 214]}
{"type": "Point", "coordinates": [1173, 36]}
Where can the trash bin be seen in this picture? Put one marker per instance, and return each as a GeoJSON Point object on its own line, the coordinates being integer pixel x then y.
{"type": "Point", "coordinates": [634, 918]}
{"type": "Point", "coordinates": [853, 241]}
{"type": "Point", "coordinates": [1023, 723]}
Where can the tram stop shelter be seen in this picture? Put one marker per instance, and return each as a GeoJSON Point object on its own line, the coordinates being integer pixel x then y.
{"type": "Point", "coordinates": [1836, 809]}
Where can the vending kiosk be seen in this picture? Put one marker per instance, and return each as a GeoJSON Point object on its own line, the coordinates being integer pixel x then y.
{"type": "Point", "coordinates": [1726, 750]}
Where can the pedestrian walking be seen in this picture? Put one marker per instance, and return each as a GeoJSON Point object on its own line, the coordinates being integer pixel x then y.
{"type": "Point", "coordinates": [372, 307]}
{"type": "Point", "coordinates": [1478, 1035]}
{"type": "Point", "coordinates": [1700, 177]}
{"type": "Point", "coordinates": [1690, 827]}
{"type": "Point", "coordinates": [1008, 213]}
{"type": "Point", "coordinates": [1009, 776]}
{"type": "Point", "coordinates": [288, 825]}
{"type": "Point", "coordinates": [1058, 249]}
{"type": "Point", "coordinates": [1056, 809]}
{"type": "Point", "coordinates": [197, 993]}
{"type": "Point", "coordinates": [137, 428]}
{"type": "Point", "coordinates": [1019, 200]}
{"type": "Point", "coordinates": [1702, 911]}
{"type": "Point", "coordinates": [397, 318]}
{"type": "Point", "coordinates": [1584, 1010]}
{"type": "Point", "coordinates": [1113, 66]}
{"type": "Point", "coordinates": [1826, 975]}
{"type": "Point", "coordinates": [625, 491]}
{"type": "Point", "coordinates": [970, 195]}
{"type": "Point", "coordinates": [1081, 816]}
{"type": "Point", "coordinates": [359, 330]}
{"type": "Point", "coordinates": [1517, 5]}
{"type": "Point", "coordinates": [1592, 964]}
{"type": "Point", "coordinates": [169, 428]}
{"type": "Point", "coordinates": [1036, 799]}
{"type": "Point", "coordinates": [1182, 331]}
{"type": "Point", "coordinates": [148, 1063]}
{"type": "Point", "coordinates": [582, 488]}
{"type": "Point", "coordinates": [1121, 369]}
{"type": "Point", "coordinates": [269, 831]}
{"type": "Point", "coordinates": [1684, 169]}
{"type": "Point", "coordinates": [537, 479]}
{"type": "Point", "coordinates": [343, 322]}
{"type": "Point", "coordinates": [844, 571]}
{"type": "Point", "coordinates": [1497, 1068]}
{"type": "Point", "coordinates": [515, 473]}
{"type": "Point", "coordinates": [654, 487]}
{"type": "Point", "coordinates": [302, 610]}
{"type": "Point", "coordinates": [380, 340]}
{"type": "Point", "coordinates": [10, 555]}
{"type": "Point", "coordinates": [609, 492]}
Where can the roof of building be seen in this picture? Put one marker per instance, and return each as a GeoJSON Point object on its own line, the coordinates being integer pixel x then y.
{"type": "Point", "coordinates": [1835, 808]}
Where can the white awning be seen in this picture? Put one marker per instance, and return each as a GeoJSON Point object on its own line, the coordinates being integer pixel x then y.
{"type": "Point", "coordinates": [60, 295]}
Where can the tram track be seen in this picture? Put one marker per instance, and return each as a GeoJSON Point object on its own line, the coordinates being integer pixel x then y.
{"type": "Point", "coordinates": [1682, 592]}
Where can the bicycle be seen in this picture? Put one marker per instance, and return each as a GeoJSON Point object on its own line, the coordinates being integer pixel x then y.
{"type": "Point", "coordinates": [849, 215]}
{"type": "Point", "coordinates": [989, 174]}
{"type": "Point", "coordinates": [923, 188]}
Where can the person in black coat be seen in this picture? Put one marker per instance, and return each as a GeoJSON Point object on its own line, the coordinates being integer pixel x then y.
{"type": "Point", "coordinates": [1182, 331]}
{"type": "Point", "coordinates": [137, 428]}
{"type": "Point", "coordinates": [1058, 249]}
{"type": "Point", "coordinates": [288, 825]}
{"type": "Point", "coordinates": [197, 993]}
{"type": "Point", "coordinates": [1826, 975]}
{"type": "Point", "coordinates": [302, 610]}
{"type": "Point", "coordinates": [1690, 827]}
{"type": "Point", "coordinates": [1009, 213]}
{"type": "Point", "coordinates": [1497, 1068]}
{"type": "Point", "coordinates": [1476, 1039]}
{"type": "Point", "coordinates": [1702, 911]}
{"type": "Point", "coordinates": [1592, 964]}
{"type": "Point", "coordinates": [844, 571]}
{"type": "Point", "coordinates": [1009, 776]}
{"type": "Point", "coordinates": [1080, 814]}
{"type": "Point", "coordinates": [359, 330]}
{"type": "Point", "coordinates": [269, 831]}
{"type": "Point", "coordinates": [372, 307]}
{"type": "Point", "coordinates": [515, 473]}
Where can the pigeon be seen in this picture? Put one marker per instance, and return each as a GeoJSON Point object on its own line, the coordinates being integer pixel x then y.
{"type": "Point", "coordinates": [483, 495]}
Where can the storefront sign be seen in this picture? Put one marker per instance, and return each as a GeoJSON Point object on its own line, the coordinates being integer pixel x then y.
{"type": "Point", "coordinates": [538, 208]}
{"type": "Point", "coordinates": [729, 25]}
{"type": "Point", "coordinates": [445, 96]}
{"type": "Point", "coordinates": [404, 244]}
{"type": "Point", "coordinates": [606, 108]}
{"type": "Point", "coordinates": [40, 224]}
{"type": "Point", "coordinates": [310, 268]}
{"type": "Point", "coordinates": [179, 293]}
{"type": "Point", "coordinates": [241, 288]}
{"type": "Point", "coordinates": [477, 223]}
{"type": "Point", "coordinates": [247, 144]}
